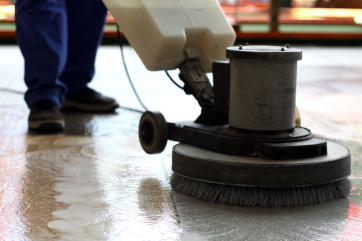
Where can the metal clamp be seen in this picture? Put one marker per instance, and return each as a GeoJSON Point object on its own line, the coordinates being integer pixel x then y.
{"type": "Point", "coordinates": [197, 84]}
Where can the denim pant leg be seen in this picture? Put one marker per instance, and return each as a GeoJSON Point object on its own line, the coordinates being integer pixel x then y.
{"type": "Point", "coordinates": [85, 30]}
{"type": "Point", "coordinates": [41, 32]}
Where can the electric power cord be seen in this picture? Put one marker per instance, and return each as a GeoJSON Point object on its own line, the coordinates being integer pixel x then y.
{"type": "Point", "coordinates": [12, 91]}
{"type": "Point", "coordinates": [126, 69]}
{"type": "Point", "coordinates": [23, 93]}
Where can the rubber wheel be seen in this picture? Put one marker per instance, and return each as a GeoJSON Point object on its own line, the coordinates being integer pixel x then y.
{"type": "Point", "coordinates": [153, 132]}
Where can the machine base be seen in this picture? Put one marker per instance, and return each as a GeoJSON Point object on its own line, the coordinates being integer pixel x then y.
{"type": "Point", "coordinates": [207, 166]}
{"type": "Point", "coordinates": [296, 143]}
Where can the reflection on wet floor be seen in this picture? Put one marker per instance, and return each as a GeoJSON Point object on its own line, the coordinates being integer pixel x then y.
{"type": "Point", "coordinates": [219, 222]}
{"type": "Point", "coordinates": [94, 182]}
{"type": "Point", "coordinates": [91, 185]}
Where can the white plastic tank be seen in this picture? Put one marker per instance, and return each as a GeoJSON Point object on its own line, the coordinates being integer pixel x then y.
{"type": "Point", "coordinates": [161, 30]}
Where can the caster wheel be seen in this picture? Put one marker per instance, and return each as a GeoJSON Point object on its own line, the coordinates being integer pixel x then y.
{"type": "Point", "coordinates": [153, 132]}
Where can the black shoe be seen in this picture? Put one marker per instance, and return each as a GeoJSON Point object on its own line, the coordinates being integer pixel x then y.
{"type": "Point", "coordinates": [45, 117]}
{"type": "Point", "coordinates": [89, 100]}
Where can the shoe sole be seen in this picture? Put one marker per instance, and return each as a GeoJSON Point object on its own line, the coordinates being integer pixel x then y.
{"type": "Point", "coordinates": [46, 126]}
{"type": "Point", "coordinates": [72, 105]}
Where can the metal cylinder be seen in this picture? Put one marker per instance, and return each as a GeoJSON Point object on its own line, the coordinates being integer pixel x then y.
{"type": "Point", "coordinates": [262, 87]}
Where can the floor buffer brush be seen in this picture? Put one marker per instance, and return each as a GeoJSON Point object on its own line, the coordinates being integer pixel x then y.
{"type": "Point", "coordinates": [245, 147]}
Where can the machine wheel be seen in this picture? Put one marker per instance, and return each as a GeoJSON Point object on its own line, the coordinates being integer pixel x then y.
{"type": "Point", "coordinates": [153, 132]}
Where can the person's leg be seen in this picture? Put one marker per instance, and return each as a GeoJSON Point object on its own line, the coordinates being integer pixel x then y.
{"type": "Point", "coordinates": [85, 29]}
{"type": "Point", "coordinates": [41, 32]}
{"type": "Point", "coordinates": [86, 20]}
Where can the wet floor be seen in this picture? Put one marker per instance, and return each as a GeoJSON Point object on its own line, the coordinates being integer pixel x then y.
{"type": "Point", "coordinates": [94, 182]}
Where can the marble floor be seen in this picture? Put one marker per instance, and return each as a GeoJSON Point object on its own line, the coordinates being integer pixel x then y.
{"type": "Point", "coordinates": [94, 182]}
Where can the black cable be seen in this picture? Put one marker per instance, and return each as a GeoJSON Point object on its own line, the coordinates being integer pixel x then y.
{"type": "Point", "coordinates": [126, 69]}
{"type": "Point", "coordinates": [22, 93]}
{"type": "Point", "coordinates": [12, 91]}
{"type": "Point", "coordinates": [169, 76]}
{"type": "Point", "coordinates": [131, 109]}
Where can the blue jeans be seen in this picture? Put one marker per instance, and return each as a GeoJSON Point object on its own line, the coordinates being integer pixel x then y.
{"type": "Point", "coordinates": [59, 40]}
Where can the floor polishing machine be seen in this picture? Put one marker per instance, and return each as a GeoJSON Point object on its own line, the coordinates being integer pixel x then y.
{"type": "Point", "coordinates": [246, 147]}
